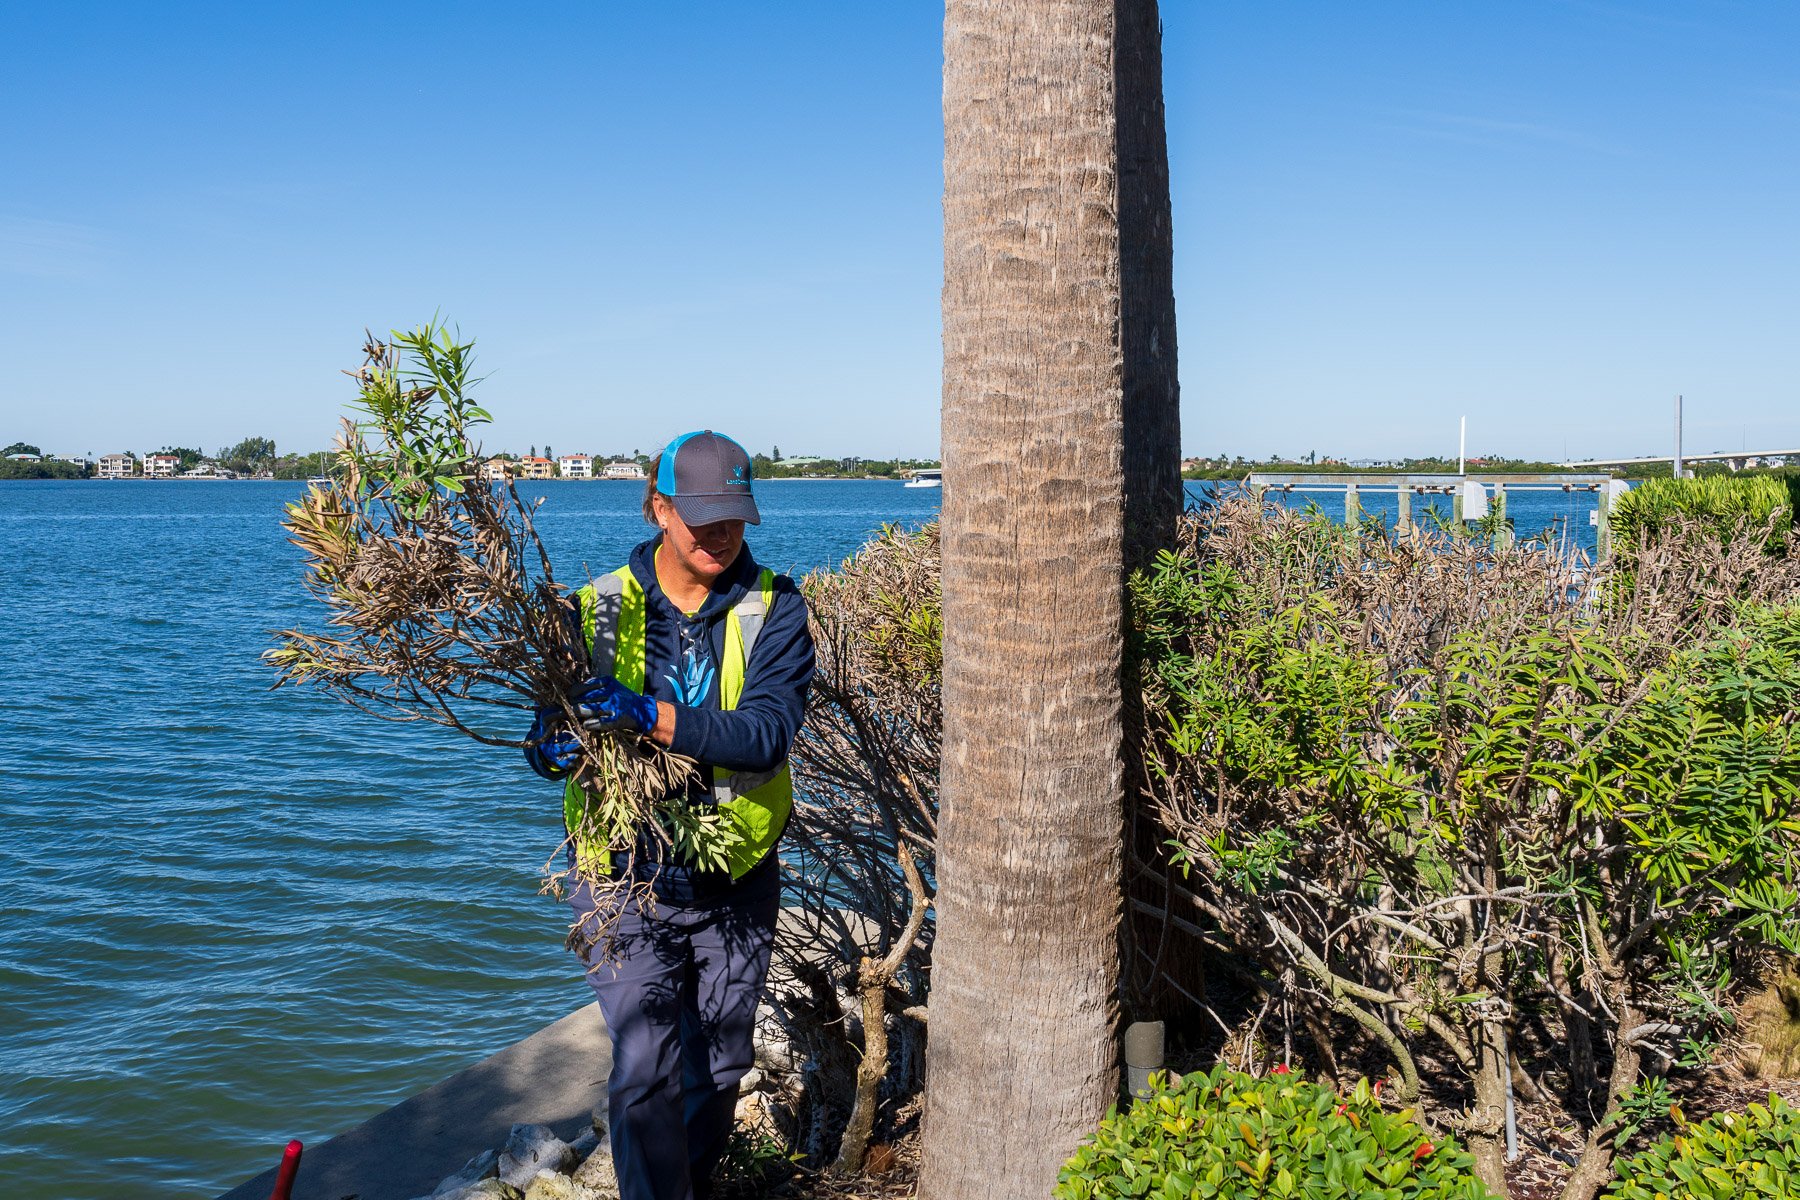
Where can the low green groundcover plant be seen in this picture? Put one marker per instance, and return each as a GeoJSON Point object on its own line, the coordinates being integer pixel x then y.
{"type": "Point", "coordinates": [1732, 1156]}
{"type": "Point", "coordinates": [1226, 1134]}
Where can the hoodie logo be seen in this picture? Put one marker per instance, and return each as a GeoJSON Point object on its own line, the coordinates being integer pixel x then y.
{"type": "Point", "coordinates": [692, 679]}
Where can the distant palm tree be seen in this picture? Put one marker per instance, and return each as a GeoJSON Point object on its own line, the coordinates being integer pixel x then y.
{"type": "Point", "coordinates": [1046, 404]}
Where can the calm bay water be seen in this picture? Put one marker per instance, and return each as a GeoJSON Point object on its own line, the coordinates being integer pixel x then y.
{"type": "Point", "coordinates": [233, 916]}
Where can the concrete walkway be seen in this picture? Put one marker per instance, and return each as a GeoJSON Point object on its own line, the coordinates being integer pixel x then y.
{"type": "Point", "coordinates": [555, 1077]}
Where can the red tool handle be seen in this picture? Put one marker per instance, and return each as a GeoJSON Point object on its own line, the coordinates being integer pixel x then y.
{"type": "Point", "coordinates": [290, 1167]}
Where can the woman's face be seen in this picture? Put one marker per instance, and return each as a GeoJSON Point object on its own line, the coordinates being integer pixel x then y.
{"type": "Point", "coordinates": [704, 551]}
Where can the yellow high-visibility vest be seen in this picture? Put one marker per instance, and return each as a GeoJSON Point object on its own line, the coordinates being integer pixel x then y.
{"type": "Point", "coordinates": [612, 625]}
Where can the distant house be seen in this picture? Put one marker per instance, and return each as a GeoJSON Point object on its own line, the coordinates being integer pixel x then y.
{"type": "Point", "coordinates": [160, 466]}
{"type": "Point", "coordinates": [623, 470]}
{"type": "Point", "coordinates": [25, 458]}
{"type": "Point", "coordinates": [575, 466]}
{"type": "Point", "coordinates": [536, 468]}
{"type": "Point", "coordinates": [804, 460]}
{"type": "Point", "coordinates": [496, 470]}
{"type": "Point", "coordinates": [116, 466]}
{"type": "Point", "coordinates": [79, 460]}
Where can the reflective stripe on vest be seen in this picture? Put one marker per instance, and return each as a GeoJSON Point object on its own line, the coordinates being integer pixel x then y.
{"type": "Point", "coordinates": [612, 625]}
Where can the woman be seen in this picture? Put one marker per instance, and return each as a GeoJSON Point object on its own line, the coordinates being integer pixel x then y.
{"type": "Point", "coordinates": [696, 646]}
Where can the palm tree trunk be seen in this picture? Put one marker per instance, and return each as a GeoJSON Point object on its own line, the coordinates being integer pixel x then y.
{"type": "Point", "coordinates": [1153, 492]}
{"type": "Point", "coordinates": [1153, 495]}
{"type": "Point", "coordinates": [1022, 1059]}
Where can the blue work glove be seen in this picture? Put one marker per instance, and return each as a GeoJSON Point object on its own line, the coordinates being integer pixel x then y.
{"type": "Point", "coordinates": [551, 752]}
{"type": "Point", "coordinates": [603, 703]}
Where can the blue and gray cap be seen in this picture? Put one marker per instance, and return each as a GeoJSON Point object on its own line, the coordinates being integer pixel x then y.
{"type": "Point", "coordinates": [707, 476]}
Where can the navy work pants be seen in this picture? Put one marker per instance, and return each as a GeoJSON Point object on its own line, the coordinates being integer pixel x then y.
{"type": "Point", "coordinates": [680, 1005]}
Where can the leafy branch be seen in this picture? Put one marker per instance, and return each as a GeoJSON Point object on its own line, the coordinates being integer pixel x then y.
{"type": "Point", "coordinates": [439, 601]}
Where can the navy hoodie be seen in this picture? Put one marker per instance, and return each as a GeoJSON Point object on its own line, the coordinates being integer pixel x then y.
{"type": "Point", "coordinates": [682, 653]}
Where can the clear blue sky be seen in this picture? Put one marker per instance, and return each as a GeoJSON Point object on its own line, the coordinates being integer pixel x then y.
{"type": "Point", "coordinates": [1552, 216]}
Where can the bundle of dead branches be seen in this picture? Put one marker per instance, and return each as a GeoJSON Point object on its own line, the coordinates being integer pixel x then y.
{"type": "Point", "coordinates": [439, 599]}
{"type": "Point", "coordinates": [853, 957]}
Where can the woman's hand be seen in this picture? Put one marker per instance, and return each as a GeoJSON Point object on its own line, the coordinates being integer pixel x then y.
{"type": "Point", "coordinates": [606, 705]}
{"type": "Point", "coordinates": [551, 752]}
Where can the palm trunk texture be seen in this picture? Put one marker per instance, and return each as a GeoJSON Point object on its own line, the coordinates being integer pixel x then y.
{"type": "Point", "coordinates": [1024, 1003]}
{"type": "Point", "coordinates": [1153, 495]}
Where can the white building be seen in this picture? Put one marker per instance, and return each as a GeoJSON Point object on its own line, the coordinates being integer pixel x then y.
{"type": "Point", "coordinates": [623, 470]}
{"type": "Point", "coordinates": [160, 466]}
{"type": "Point", "coordinates": [496, 470]}
{"type": "Point", "coordinates": [116, 466]}
{"type": "Point", "coordinates": [575, 466]}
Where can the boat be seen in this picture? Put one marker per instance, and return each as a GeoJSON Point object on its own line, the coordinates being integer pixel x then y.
{"type": "Point", "coordinates": [926, 478]}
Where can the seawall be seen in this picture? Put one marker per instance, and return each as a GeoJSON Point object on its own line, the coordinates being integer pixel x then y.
{"type": "Point", "coordinates": [555, 1077]}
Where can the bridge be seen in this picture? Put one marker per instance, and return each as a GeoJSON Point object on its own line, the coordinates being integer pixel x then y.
{"type": "Point", "coordinates": [1678, 461]}
{"type": "Point", "coordinates": [1736, 458]}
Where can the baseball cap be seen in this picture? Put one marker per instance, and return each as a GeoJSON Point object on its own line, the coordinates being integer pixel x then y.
{"type": "Point", "coordinates": [707, 476]}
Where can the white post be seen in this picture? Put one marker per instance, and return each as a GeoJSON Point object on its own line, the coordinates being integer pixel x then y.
{"type": "Point", "coordinates": [1462, 446]}
{"type": "Point", "coordinates": [1678, 437]}
{"type": "Point", "coordinates": [1143, 1054]}
{"type": "Point", "coordinates": [1609, 493]}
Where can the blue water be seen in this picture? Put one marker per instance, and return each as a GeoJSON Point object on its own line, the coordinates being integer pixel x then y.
{"type": "Point", "coordinates": [233, 915]}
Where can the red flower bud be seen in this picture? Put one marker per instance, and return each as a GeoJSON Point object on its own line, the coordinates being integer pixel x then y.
{"type": "Point", "coordinates": [1338, 1111]}
{"type": "Point", "coordinates": [1424, 1149]}
{"type": "Point", "coordinates": [1280, 1069]}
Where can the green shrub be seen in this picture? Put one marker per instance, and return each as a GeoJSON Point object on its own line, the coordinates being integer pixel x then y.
{"type": "Point", "coordinates": [1347, 739]}
{"type": "Point", "coordinates": [1225, 1134]}
{"type": "Point", "coordinates": [1748, 1155]}
{"type": "Point", "coordinates": [1720, 504]}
